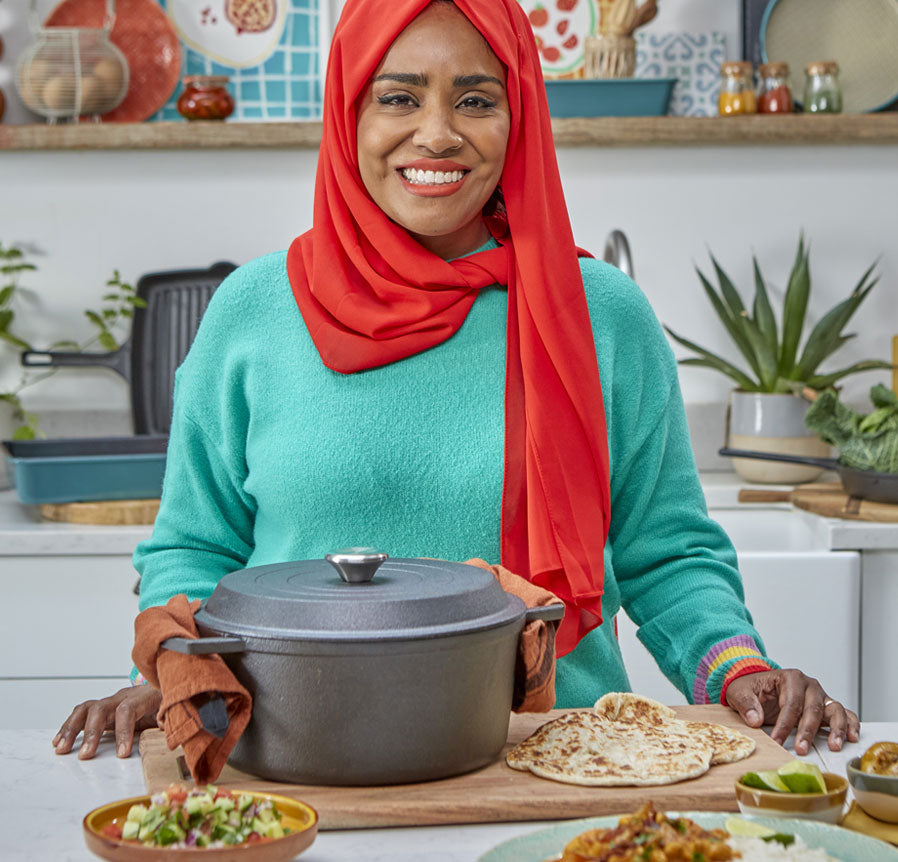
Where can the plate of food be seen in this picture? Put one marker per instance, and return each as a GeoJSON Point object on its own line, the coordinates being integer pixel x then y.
{"type": "Point", "coordinates": [698, 834]}
{"type": "Point", "coordinates": [223, 825]}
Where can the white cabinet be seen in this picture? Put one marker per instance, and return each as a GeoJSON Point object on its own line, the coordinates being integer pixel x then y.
{"type": "Point", "coordinates": [66, 631]}
{"type": "Point", "coordinates": [805, 600]}
{"type": "Point", "coordinates": [879, 635]}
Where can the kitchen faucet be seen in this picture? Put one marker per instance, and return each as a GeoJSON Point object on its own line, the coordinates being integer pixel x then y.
{"type": "Point", "coordinates": [617, 252]}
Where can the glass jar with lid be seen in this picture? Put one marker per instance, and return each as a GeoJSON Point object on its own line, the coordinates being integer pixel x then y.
{"type": "Point", "coordinates": [205, 97]}
{"type": "Point", "coordinates": [737, 93]}
{"type": "Point", "coordinates": [822, 91]}
{"type": "Point", "coordinates": [774, 96]}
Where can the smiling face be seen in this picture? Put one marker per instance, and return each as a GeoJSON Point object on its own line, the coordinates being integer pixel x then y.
{"type": "Point", "coordinates": [433, 129]}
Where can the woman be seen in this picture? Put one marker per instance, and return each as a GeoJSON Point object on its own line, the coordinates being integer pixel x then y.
{"type": "Point", "coordinates": [424, 372]}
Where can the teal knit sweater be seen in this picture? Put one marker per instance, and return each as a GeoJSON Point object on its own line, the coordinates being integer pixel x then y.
{"type": "Point", "coordinates": [275, 457]}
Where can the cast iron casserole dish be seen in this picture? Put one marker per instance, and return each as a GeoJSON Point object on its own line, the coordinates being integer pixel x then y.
{"type": "Point", "coordinates": [366, 670]}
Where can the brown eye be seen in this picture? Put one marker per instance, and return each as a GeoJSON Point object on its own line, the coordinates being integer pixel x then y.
{"type": "Point", "coordinates": [401, 100]}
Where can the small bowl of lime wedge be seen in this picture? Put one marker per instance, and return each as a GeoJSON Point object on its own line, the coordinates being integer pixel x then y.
{"type": "Point", "coordinates": [796, 789]}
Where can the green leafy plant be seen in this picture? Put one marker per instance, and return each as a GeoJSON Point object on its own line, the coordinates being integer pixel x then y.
{"type": "Point", "coordinates": [12, 264]}
{"type": "Point", "coordinates": [865, 441]}
{"type": "Point", "coordinates": [117, 308]}
{"type": "Point", "coordinates": [775, 363]}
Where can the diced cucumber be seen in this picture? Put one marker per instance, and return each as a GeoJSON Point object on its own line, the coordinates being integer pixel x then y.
{"type": "Point", "coordinates": [130, 828]}
{"type": "Point", "coordinates": [137, 813]}
{"type": "Point", "coordinates": [244, 802]}
{"type": "Point", "coordinates": [224, 803]}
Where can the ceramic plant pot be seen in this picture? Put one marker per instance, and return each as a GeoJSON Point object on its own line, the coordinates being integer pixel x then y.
{"type": "Point", "coordinates": [769, 422]}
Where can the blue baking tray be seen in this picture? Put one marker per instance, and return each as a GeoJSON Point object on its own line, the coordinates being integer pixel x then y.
{"type": "Point", "coordinates": [610, 97]}
{"type": "Point", "coordinates": [86, 469]}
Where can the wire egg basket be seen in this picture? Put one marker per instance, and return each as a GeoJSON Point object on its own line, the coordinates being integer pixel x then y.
{"type": "Point", "coordinates": [72, 72]}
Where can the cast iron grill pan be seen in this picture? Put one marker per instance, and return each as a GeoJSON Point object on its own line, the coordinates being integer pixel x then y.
{"type": "Point", "coordinates": [161, 335]}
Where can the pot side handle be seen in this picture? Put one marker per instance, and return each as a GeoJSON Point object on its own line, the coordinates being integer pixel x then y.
{"type": "Point", "coordinates": [549, 613]}
{"type": "Point", "coordinates": [203, 646]}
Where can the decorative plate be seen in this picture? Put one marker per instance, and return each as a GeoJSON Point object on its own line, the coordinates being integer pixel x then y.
{"type": "Point", "coordinates": [842, 843]}
{"type": "Point", "coordinates": [146, 38]}
{"type": "Point", "coordinates": [299, 818]}
{"type": "Point", "coordinates": [861, 37]}
{"type": "Point", "coordinates": [239, 33]}
{"type": "Point", "coordinates": [561, 28]}
{"type": "Point", "coordinates": [270, 49]}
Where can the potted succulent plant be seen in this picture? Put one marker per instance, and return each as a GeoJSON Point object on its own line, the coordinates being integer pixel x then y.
{"type": "Point", "coordinates": [766, 410]}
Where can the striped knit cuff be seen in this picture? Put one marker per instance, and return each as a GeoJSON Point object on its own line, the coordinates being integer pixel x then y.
{"type": "Point", "coordinates": [137, 678]}
{"type": "Point", "coordinates": [724, 662]}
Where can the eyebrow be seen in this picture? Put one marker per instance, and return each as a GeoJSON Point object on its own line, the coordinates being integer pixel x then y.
{"type": "Point", "coordinates": [416, 79]}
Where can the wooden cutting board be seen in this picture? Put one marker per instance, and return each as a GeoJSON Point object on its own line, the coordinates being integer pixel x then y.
{"type": "Point", "coordinates": [827, 499]}
{"type": "Point", "coordinates": [492, 794]}
{"type": "Point", "coordinates": [112, 512]}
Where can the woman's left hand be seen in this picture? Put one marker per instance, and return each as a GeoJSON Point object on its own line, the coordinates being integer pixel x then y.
{"type": "Point", "coordinates": [793, 701]}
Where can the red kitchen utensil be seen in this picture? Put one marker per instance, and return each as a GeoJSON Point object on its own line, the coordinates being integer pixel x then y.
{"type": "Point", "coordinates": [146, 37]}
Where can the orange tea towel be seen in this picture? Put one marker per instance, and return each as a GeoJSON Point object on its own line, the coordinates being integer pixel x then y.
{"type": "Point", "coordinates": [534, 675]}
{"type": "Point", "coordinates": [186, 683]}
{"type": "Point", "coordinates": [858, 820]}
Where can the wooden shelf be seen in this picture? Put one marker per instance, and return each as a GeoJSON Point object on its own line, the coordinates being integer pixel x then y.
{"type": "Point", "coordinates": [794, 129]}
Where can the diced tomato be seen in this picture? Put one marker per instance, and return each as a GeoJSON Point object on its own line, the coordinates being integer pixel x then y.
{"type": "Point", "coordinates": [112, 830]}
{"type": "Point", "coordinates": [253, 838]}
{"type": "Point", "coordinates": [176, 793]}
{"type": "Point", "coordinates": [224, 794]}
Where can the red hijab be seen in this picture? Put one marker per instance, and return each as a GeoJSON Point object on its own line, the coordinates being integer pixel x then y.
{"type": "Point", "coordinates": [371, 295]}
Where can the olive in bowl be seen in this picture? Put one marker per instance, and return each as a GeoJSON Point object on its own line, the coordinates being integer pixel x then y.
{"type": "Point", "coordinates": [825, 805]}
{"type": "Point", "coordinates": [876, 793]}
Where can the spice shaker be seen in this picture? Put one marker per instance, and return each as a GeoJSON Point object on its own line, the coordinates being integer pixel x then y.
{"type": "Point", "coordinates": [737, 94]}
{"type": "Point", "coordinates": [822, 91]}
{"type": "Point", "coordinates": [774, 96]}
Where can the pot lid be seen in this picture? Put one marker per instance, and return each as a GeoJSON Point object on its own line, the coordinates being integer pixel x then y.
{"type": "Point", "coordinates": [358, 595]}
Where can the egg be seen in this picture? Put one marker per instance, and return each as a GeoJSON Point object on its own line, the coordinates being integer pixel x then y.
{"type": "Point", "coordinates": [31, 80]}
{"type": "Point", "coordinates": [93, 95]}
{"type": "Point", "coordinates": [111, 76]}
{"type": "Point", "coordinates": [59, 93]}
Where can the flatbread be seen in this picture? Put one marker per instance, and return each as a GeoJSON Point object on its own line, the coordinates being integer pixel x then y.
{"type": "Point", "coordinates": [729, 744]}
{"type": "Point", "coordinates": [626, 739]}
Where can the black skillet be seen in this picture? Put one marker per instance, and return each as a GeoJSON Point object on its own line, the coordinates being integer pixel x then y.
{"type": "Point", "coordinates": [865, 484]}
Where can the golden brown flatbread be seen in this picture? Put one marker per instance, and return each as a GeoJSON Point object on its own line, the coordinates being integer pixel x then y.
{"type": "Point", "coordinates": [626, 739]}
{"type": "Point", "coordinates": [729, 744]}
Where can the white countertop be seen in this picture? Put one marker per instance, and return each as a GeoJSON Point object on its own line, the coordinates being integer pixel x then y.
{"type": "Point", "coordinates": [45, 796]}
{"type": "Point", "coordinates": [24, 532]}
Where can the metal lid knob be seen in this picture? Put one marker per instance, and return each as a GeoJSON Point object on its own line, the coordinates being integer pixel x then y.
{"type": "Point", "coordinates": [356, 565]}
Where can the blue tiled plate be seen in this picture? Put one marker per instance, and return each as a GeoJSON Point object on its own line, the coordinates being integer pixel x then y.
{"type": "Point", "coordinates": [841, 843]}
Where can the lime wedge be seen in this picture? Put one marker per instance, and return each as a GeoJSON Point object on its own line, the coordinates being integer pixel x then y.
{"type": "Point", "coordinates": [802, 777]}
{"type": "Point", "coordinates": [743, 828]}
{"type": "Point", "coordinates": [769, 780]}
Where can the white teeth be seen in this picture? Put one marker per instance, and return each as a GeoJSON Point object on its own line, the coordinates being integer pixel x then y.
{"type": "Point", "coordinates": [432, 178]}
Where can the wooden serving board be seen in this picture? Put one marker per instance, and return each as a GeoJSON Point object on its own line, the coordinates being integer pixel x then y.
{"type": "Point", "coordinates": [827, 499]}
{"type": "Point", "coordinates": [492, 794]}
{"type": "Point", "coordinates": [113, 512]}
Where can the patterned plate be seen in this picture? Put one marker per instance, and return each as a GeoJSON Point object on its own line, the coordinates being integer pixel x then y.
{"type": "Point", "coordinates": [560, 28]}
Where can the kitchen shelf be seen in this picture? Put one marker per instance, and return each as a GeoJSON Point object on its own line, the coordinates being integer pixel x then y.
{"type": "Point", "coordinates": [794, 129]}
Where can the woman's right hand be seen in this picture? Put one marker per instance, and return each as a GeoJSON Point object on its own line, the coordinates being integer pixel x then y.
{"type": "Point", "coordinates": [128, 710]}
